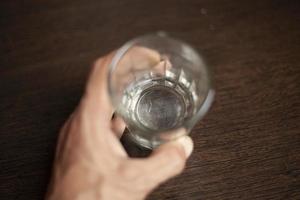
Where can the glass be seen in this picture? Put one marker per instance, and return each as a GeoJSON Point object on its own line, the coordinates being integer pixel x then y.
{"type": "Point", "coordinates": [158, 84]}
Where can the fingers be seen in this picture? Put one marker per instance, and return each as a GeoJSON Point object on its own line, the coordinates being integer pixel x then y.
{"type": "Point", "coordinates": [138, 59]}
{"type": "Point", "coordinates": [135, 63]}
{"type": "Point", "coordinates": [118, 126]}
{"type": "Point", "coordinates": [166, 162]}
{"type": "Point", "coordinates": [96, 97]}
{"type": "Point", "coordinates": [161, 67]}
{"type": "Point", "coordinates": [169, 159]}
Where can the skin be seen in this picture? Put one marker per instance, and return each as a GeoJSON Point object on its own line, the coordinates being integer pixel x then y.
{"type": "Point", "coordinates": [90, 162]}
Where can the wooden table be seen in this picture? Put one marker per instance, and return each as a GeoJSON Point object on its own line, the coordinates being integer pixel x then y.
{"type": "Point", "coordinates": [247, 147]}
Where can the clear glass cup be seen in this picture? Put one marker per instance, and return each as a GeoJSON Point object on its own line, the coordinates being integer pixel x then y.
{"type": "Point", "coordinates": [158, 84]}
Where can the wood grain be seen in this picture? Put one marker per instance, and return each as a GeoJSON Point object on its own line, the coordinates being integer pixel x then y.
{"type": "Point", "coordinates": [247, 147]}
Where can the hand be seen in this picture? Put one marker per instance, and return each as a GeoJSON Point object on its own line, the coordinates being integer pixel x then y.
{"type": "Point", "coordinates": [90, 162]}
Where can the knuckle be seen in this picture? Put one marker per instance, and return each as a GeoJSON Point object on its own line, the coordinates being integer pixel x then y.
{"type": "Point", "coordinates": [104, 60]}
{"type": "Point", "coordinates": [180, 168]}
{"type": "Point", "coordinates": [98, 62]}
{"type": "Point", "coordinates": [176, 154]}
{"type": "Point", "coordinates": [177, 159]}
{"type": "Point", "coordinates": [127, 172]}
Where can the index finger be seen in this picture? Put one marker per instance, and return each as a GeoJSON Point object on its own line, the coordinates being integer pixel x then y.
{"type": "Point", "coordinates": [96, 95]}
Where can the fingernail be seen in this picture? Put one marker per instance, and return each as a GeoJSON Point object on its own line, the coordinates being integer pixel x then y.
{"type": "Point", "coordinates": [187, 144]}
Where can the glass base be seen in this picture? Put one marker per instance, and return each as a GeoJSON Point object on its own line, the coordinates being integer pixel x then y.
{"type": "Point", "coordinates": [143, 142]}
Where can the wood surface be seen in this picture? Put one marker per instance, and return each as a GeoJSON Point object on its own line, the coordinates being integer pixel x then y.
{"type": "Point", "coordinates": [247, 147]}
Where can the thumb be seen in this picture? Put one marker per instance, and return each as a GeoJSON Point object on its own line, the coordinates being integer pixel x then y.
{"type": "Point", "coordinates": [167, 161]}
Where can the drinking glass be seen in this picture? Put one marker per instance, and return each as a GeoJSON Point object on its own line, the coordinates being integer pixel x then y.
{"type": "Point", "coordinates": [159, 84]}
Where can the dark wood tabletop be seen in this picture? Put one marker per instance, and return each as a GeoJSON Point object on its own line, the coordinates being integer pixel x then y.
{"type": "Point", "coordinates": [247, 147]}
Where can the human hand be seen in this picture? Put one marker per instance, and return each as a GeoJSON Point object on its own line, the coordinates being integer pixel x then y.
{"type": "Point", "coordinates": [90, 162]}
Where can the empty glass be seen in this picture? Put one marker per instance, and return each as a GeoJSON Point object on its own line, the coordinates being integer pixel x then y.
{"type": "Point", "coordinates": [158, 84]}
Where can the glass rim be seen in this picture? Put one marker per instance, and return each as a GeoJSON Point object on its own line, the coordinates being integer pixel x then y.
{"type": "Point", "coordinates": [209, 97]}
